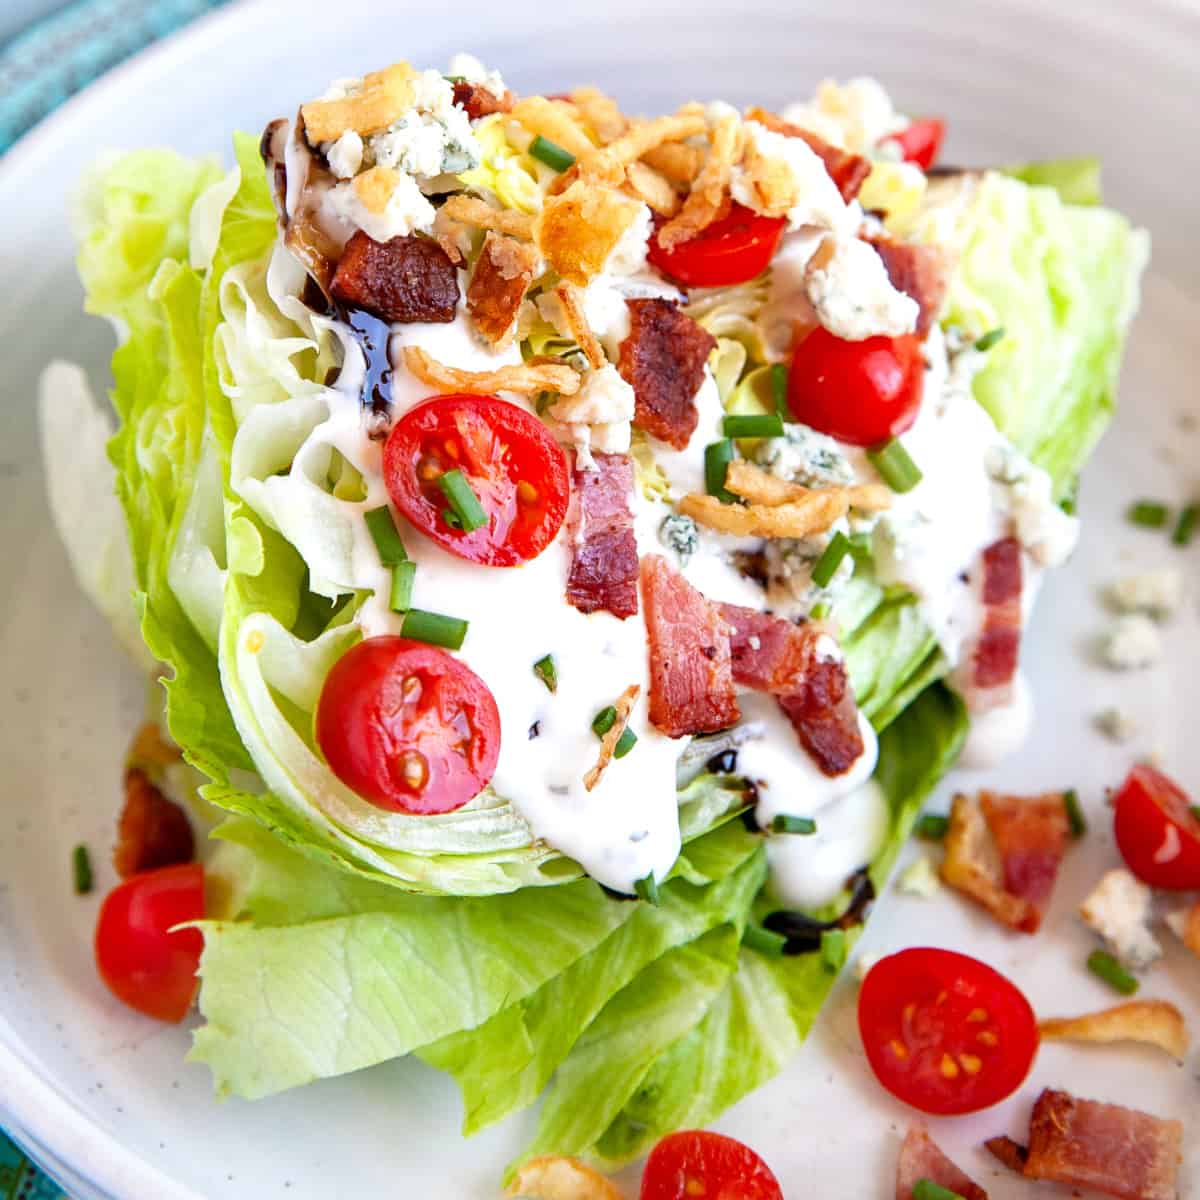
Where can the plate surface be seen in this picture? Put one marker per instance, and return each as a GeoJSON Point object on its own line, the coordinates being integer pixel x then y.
{"type": "Point", "coordinates": [104, 1097]}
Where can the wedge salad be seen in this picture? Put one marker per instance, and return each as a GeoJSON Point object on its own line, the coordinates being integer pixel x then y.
{"type": "Point", "coordinates": [574, 545]}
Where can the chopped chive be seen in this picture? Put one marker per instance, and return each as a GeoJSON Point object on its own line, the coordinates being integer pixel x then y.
{"type": "Point", "coordinates": [717, 458]}
{"type": "Point", "coordinates": [989, 339]}
{"type": "Point", "coordinates": [861, 545]}
{"type": "Point", "coordinates": [896, 466]}
{"type": "Point", "coordinates": [1150, 514]}
{"type": "Point", "coordinates": [463, 501]}
{"type": "Point", "coordinates": [455, 78]}
{"type": "Point", "coordinates": [402, 586]}
{"type": "Point", "coordinates": [1107, 968]}
{"type": "Point", "coordinates": [779, 390]}
{"type": "Point", "coordinates": [1196, 811]}
{"type": "Point", "coordinates": [604, 720]}
{"type": "Point", "coordinates": [81, 868]}
{"type": "Point", "coordinates": [834, 949]}
{"type": "Point", "coordinates": [1185, 527]}
{"type": "Point", "coordinates": [1075, 817]}
{"type": "Point", "coordinates": [827, 565]}
{"type": "Point", "coordinates": [546, 669]}
{"type": "Point", "coordinates": [625, 743]}
{"type": "Point", "coordinates": [551, 153]}
{"type": "Point", "coordinates": [819, 612]}
{"type": "Point", "coordinates": [382, 529]}
{"type": "Point", "coordinates": [932, 827]}
{"type": "Point", "coordinates": [647, 889]}
{"type": "Point", "coordinates": [753, 425]}
{"type": "Point", "coordinates": [785, 823]}
{"type": "Point", "coordinates": [763, 940]}
{"type": "Point", "coordinates": [434, 628]}
{"type": "Point", "coordinates": [926, 1189]}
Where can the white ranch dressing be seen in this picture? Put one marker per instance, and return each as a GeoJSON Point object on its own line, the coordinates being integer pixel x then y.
{"type": "Point", "coordinates": [1000, 731]}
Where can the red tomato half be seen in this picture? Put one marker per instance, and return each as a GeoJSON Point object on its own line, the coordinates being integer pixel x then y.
{"type": "Point", "coordinates": [142, 962]}
{"type": "Point", "coordinates": [694, 1165]}
{"type": "Point", "coordinates": [408, 726]}
{"type": "Point", "coordinates": [921, 142]}
{"type": "Point", "coordinates": [515, 468]}
{"type": "Point", "coordinates": [858, 392]}
{"type": "Point", "coordinates": [1157, 830]}
{"type": "Point", "coordinates": [944, 1032]}
{"type": "Point", "coordinates": [732, 250]}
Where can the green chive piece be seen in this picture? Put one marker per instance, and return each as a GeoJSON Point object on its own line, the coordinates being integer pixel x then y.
{"type": "Point", "coordinates": [81, 868]}
{"type": "Point", "coordinates": [1150, 514]}
{"type": "Point", "coordinates": [1185, 527]}
{"type": "Point", "coordinates": [834, 949]}
{"type": "Point", "coordinates": [1196, 811]}
{"type": "Point", "coordinates": [434, 629]}
{"type": "Point", "coordinates": [831, 559]}
{"type": "Point", "coordinates": [896, 466]}
{"type": "Point", "coordinates": [382, 529]}
{"type": "Point", "coordinates": [647, 889]}
{"type": "Point", "coordinates": [785, 823]}
{"type": "Point", "coordinates": [763, 940]}
{"type": "Point", "coordinates": [861, 546]}
{"type": "Point", "coordinates": [989, 339]}
{"type": "Point", "coordinates": [779, 389]}
{"type": "Point", "coordinates": [753, 425]}
{"type": "Point", "coordinates": [1107, 968]}
{"type": "Point", "coordinates": [926, 1189]}
{"type": "Point", "coordinates": [403, 575]}
{"type": "Point", "coordinates": [819, 612]}
{"type": "Point", "coordinates": [463, 500]}
{"type": "Point", "coordinates": [604, 720]}
{"type": "Point", "coordinates": [546, 669]}
{"type": "Point", "coordinates": [551, 153]}
{"type": "Point", "coordinates": [455, 78]}
{"type": "Point", "coordinates": [1075, 817]}
{"type": "Point", "coordinates": [717, 458]}
{"type": "Point", "coordinates": [625, 743]}
{"type": "Point", "coordinates": [932, 827]}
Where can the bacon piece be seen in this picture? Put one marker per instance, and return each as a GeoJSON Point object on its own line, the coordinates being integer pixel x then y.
{"type": "Point", "coordinates": [989, 666]}
{"type": "Point", "coordinates": [406, 279]}
{"type": "Point", "coordinates": [691, 671]}
{"type": "Point", "coordinates": [825, 716]}
{"type": "Point", "coordinates": [663, 361]}
{"type": "Point", "coordinates": [152, 831]}
{"type": "Point", "coordinates": [848, 171]}
{"type": "Point", "coordinates": [604, 571]}
{"type": "Point", "coordinates": [480, 101]}
{"type": "Point", "coordinates": [921, 1158]}
{"type": "Point", "coordinates": [1084, 1143]}
{"type": "Point", "coordinates": [1012, 1154]}
{"type": "Point", "coordinates": [922, 272]}
{"type": "Point", "coordinates": [502, 274]}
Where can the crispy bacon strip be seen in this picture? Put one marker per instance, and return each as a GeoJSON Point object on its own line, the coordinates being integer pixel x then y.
{"type": "Point", "coordinates": [691, 671]}
{"type": "Point", "coordinates": [709, 196]}
{"type": "Point", "coordinates": [608, 743]}
{"type": "Point", "coordinates": [1012, 1154]}
{"type": "Point", "coordinates": [471, 211]}
{"type": "Point", "coordinates": [406, 279]}
{"type": "Point", "coordinates": [848, 171]}
{"type": "Point", "coordinates": [991, 660]}
{"type": "Point", "coordinates": [527, 379]}
{"type": "Point", "coordinates": [920, 271]}
{"type": "Point", "coordinates": [796, 519]}
{"type": "Point", "coordinates": [825, 717]}
{"type": "Point", "coordinates": [752, 483]}
{"type": "Point", "coordinates": [480, 101]}
{"type": "Point", "coordinates": [577, 322]}
{"type": "Point", "coordinates": [152, 830]}
{"type": "Point", "coordinates": [1152, 1022]}
{"type": "Point", "coordinates": [921, 1158]}
{"type": "Point", "coordinates": [663, 360]}
{"type": "Point", "coordinates": [501, 276]}
{"type": "Point", "coordinates": [604, 570]}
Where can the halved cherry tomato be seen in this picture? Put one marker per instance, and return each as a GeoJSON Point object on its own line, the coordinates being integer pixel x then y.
{"type": "Point", "coordinates": [138, 957]}
{"type": "Point", "coordinates": [732, 250]}
{"type": "Point", "coordinates": [515, 468]}
{"type": "Point", "coordinates": [407, 726]}
{"type": "Point", "coordinates": [944, 1032]}
{"type": "Point", "coordinates": [921, 142]}
{"type": "Point", "coordinates": [695, 1165]}
{"type": "Point", "coordinates": [858, 392]}
{"type": "Point", "coordinates": [1157, 831]}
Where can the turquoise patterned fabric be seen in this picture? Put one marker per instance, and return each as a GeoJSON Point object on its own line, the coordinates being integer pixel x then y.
{"type": "Point", "coordinates": [20, 1179]}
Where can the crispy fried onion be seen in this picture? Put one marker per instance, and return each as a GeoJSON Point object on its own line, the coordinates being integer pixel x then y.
{"type": "Point", "coordinates": [384, 95]}
{"type": "Point", "coordinates": [553, 1178]}
{"type": "Point", "coordinates": [652, 188]}
{"type": "Point", "coordinates": [680, 162]}
{"type": "Point", "coordinates": [600, 111]}
{"type": "Point", "coordinates": [527, 379]}
{"type": "Point", "coordinates": [555, 121]}
{"type": "Point", "coordinates": [577, 322]}
{"type": "Point", "coordinates": [608, 743]}
{"type": "Point", "coordinates": [797, 519]}
{"type": "Point", "coordinates": [757, 486]}
{"type": "Point", "coordinates": [471, 211]}
{"type": "Point", "coordinates": [709, 196]}
{"type": "Point", "coordinates": [1152, 1022]}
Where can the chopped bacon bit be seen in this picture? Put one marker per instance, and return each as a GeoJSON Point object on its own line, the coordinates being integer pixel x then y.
{"type": "Point", "coordinates": [1151, 1022]}
{"type": "Point", "coordinates": [921, 1158]}
{"type": "Point", "coordinates": [480, 101]}
{"type": "Point", "coordinates": [406, 279]}
{"type": "Point", "coordinates": [152, 831]}
{"type": "Point", "coordinates": [922, 272]}
{"type": "Point", "coordinates": [1084, 1143]}
{"type": "Point", "coordinates": [663, 360]}
{"type": "Point", "coordinates": [848, 171]}
{"type": "Point", "coordinates": [769, 653]}
{"type": "Point", "coordinates": [608, 743]}
{"type": "Point", "coordinates": [992, 659]}
{"type": "Point", "coordinates": [691, 672]}
{"type": "Point", "coordinates": [604, 570]}
{"type": "Point", "coordinates": [503, 272]}
{"type": "Point", "coordinates": [825, 716]}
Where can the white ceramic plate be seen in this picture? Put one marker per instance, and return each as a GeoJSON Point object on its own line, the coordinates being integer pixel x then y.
{"type": "Point", "coordinates": [103, 1096]}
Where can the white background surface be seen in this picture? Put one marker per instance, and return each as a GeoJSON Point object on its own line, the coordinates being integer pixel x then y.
{"type": "Point", "coordinates": [105, 1093]}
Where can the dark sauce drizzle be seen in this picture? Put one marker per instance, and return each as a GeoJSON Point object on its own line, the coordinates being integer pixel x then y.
{"type": "Point", "coordinates": [803, 933]}
{"type": "Point", "coordinates": [373, 335]}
